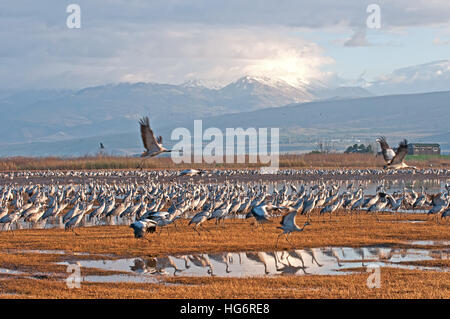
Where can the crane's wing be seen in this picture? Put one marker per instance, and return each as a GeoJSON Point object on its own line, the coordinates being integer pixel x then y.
{"type": "Point", "coordinates": [401, 153]}
{"type": "Point", "coordinates": [382, 195]}
{"type": "Point", "coordinates": [386, 150]}
{"type": "Point", "coordinates": [437, 200]}
{"type": "Point", "coordinates": [148, 138]}
{"type": "Point", "coordinates": [294, 188]}
{"type": "Point", "coordinates": [391, 200]}
{"type": "Point", "coordinates": [289, 219]}
{"type": "Point", "coordinates": [259, 213]}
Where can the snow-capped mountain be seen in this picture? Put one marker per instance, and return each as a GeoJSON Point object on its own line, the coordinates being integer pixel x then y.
{"type": "Point", "coordinates": [250, 93]}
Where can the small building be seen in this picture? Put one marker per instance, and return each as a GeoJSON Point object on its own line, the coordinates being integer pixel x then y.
{"type": "Point", "coordinates": [424, 149]}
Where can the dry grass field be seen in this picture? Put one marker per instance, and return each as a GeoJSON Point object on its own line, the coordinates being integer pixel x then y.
{"type": "Point", "coordinates": [238, 235]}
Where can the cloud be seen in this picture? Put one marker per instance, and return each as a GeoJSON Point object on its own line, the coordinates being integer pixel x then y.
{"type": "Point", "coordinates": [438, 41]}
{"type": "Point", "coordinates": [358, 39]}
{"type": "Point", "coordinates": [168, 53]}
{"type": "Point", "coordinates": [177, 40]}
{"type": "Point", "coordinates": [299, 13]}
{"type": "Point", "coordinates": [428, 77]}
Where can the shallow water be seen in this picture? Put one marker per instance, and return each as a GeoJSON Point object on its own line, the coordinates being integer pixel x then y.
{"type": "Point", "coordinates": [315, 261]}
{"type": "Point", "coordinates": [430, 242]}
{"type": "Point", "coordinates": [43, 251]}
{"type": "Point", "coordinates": [121, 278]}
{"type": "Point", "coordinates": [58, 223]}
{"type": "Point", "coordinates": [10, 271]}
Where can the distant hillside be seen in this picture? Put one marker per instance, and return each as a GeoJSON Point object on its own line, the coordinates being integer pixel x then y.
{"type": "Point", "coordinates": [56, 115]}
{"type": "Point", "coordinates": [417, 117]}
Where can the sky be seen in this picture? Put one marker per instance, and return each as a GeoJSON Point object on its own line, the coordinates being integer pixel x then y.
{"type": "Point", "coordinates": [174, 41]}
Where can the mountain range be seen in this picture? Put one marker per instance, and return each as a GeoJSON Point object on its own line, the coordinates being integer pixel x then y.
{"type": "Point", "coordinates": [73, 122]}
{"type": "Point", "coordinates": [52, 115]}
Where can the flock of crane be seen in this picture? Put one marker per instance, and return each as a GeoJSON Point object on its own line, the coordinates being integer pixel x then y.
{"type": "Point", "coordinates": [148, 206]}
{"type": "Point", "coordinates": [159, 199]}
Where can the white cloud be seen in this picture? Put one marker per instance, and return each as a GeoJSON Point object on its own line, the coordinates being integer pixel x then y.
{"type": "Point", "coordinates": [163, 53]}
{"type": "Point", "coordinates": [177, 40]}
{"type": "Point", "coordinates": [358, 39]}
{"type": "Point", "coordinates": [433, 76]}
{"type": "Point", "coordinates": [300, 13]}
{"type": "Point", "coordinates": [438, 41]}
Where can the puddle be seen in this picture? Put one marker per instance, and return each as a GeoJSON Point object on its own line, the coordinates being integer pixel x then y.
{"type": "Point", "coordinates": [55, 252]}
{"type": "Point", "coordinates": [52, 223]}
{"type": "Point", "coordinates": [406, 221]}
{"type": "Point", "coordinates": [42, 251]}
{"type": "Point", "coordinates": [315, 261]}
{"type": "Point", "coordinates": [430, 242]}
{"type": "Point", "coordinates": [8, 294]}
{"type": "Point", "coordinates": [120, 278]}
{"type": "Point", "coordinates": [10, 272]}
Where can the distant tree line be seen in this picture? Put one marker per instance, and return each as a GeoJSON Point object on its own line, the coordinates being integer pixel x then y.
{"type": "Point", "coordinates": [355, 148]}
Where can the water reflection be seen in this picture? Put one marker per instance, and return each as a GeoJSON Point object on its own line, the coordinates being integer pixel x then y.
{"type": "Point", "coordinates": [316, 261]}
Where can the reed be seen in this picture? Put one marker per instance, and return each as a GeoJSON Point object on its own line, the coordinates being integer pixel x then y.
{"type": "Point", "coordinates": [312, 160]}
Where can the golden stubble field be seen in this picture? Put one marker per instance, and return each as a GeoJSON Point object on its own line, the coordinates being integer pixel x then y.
{"type": "Point", "coordinates": [237, 235]}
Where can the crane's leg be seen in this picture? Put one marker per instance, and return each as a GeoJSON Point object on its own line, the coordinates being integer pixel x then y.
{"type": "Point", "coordinates": [303, 263]}
{"type": "Point", "coordinates": [287, 239]}
{"type": "Point", "coordinates": [203, 227]}
{"type": "Point", "coordinates": [195, 229]}
{"type": "Point", "coordinates": [73, 230]}
{"type": "Point", "coordinates": [12, 230]}
{"type": "Point", "coordinates": [276, 245]}
{"type": "Point", "coordinates": [141, 163]}
{"type": "Point", "coordinates": [314, 259]}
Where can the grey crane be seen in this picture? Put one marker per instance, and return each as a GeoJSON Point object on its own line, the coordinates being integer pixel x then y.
{"type": "Point", "coordinates": [153, 146]}
{"type": "Point", "coordinates": [142, 227]}
{"type": "Point", "coordinates": [288, 224]}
